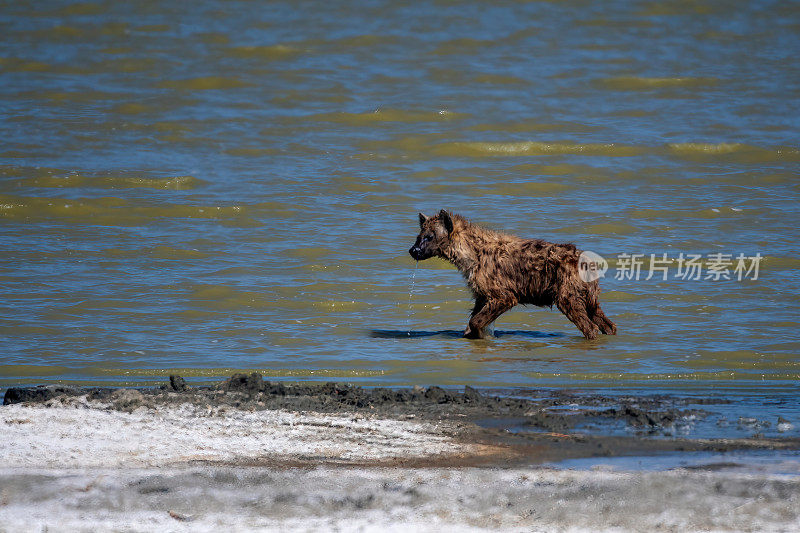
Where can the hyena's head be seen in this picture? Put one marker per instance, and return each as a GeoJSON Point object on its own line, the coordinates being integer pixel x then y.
{"type": "Point", "coordinates": [434, 236]}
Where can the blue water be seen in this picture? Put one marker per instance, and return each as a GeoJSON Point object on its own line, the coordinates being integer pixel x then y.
{"type": "Point", "coordinates": [783, 463]}
{"type": "Point", "coordinates": [217, 186]}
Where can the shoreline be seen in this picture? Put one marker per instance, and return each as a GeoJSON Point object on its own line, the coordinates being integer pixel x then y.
{"type": "Point", "coordinates": [259, 454]}
{"type": "Point", "coordinates": [537, 427]}
{"type": "Point", "coordinates": [206, 498]}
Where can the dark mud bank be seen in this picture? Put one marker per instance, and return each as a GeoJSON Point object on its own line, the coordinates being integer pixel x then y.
{"type": "Point", "coordinates": [543, 426]}
{"type": "Point", "coordinates": [248, 391]}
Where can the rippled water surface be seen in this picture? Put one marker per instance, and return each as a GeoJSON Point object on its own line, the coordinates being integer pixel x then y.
{"type": "Point", "coordinates": [207, 186]}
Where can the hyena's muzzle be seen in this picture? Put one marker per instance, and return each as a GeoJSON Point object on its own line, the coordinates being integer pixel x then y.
{"type": "Point", "coordinates": [420, 250]}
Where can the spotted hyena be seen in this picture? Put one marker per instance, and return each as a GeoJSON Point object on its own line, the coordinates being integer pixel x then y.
{"type": "Point", "coordinates": [503, 271]}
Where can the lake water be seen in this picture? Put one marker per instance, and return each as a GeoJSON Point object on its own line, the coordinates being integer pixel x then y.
{"type": "Point", "coordinates": [211, 186]}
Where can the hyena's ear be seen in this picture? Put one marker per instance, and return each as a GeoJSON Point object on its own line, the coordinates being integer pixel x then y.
{"type": "Point", "coordinates": [444, 216]}
{"type": "Point", "coordinates": [422, 220]}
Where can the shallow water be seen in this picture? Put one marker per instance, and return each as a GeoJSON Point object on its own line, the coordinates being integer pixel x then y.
{"type": "Point", "coordinates": [772, 462]}
{"type": "Point", "coordinates": [222, 186]}
{"type": "Point", "coordinates": [725, 413]}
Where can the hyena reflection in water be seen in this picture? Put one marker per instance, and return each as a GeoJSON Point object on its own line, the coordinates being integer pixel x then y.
{"type": "Point", "coordinates": [503, 271]}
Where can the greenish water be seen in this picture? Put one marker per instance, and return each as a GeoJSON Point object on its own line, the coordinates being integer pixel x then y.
{"type": "Point", "coordinates": [214, 186]}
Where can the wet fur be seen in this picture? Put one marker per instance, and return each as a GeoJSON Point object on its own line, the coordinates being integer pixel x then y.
{"type": "Point", "coordinates": [503, 271]}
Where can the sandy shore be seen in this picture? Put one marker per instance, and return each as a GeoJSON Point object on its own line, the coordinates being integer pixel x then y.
{"type": "Point", "coordinates": [81, 434]}
{"type": "Point", "coordinates": [181, 498]}
{"type": "Point", "coordinates": [249, 455]}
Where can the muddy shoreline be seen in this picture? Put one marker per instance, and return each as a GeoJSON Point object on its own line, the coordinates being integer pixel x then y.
{"type": "Point", "coordinates": [252, 455]}
{"type": "Point", "coordinates": [549, 426]}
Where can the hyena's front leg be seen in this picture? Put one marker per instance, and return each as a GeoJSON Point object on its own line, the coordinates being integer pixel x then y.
{"type": "Point", "coordinates": [484, 313]}
{"type": "Point", "coordinates": [480, 303]}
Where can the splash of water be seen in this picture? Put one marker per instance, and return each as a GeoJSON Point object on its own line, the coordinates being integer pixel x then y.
{"type": "Point", "coordinates": [410, 293]}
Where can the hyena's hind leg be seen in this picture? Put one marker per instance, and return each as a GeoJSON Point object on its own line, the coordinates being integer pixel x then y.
{"type": "Point", "coordinates": [574, 307]}
{"type": "Point", "coordinates": [603, 322]}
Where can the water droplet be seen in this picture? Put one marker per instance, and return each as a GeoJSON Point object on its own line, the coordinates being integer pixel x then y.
{"type": "Point", "coordinates": [410, 293]}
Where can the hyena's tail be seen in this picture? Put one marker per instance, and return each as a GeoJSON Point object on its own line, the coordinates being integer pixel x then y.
{"type": "Point", "coordinates": [595, 313]}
